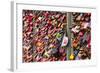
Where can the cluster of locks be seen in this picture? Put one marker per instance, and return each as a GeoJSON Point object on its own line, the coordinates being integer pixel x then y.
{"type": "Point", "coordinates": [43, 33]}
{"type": "Point", "coordinates": [81, 39]}
{"type": "Point", "coordinates": [45, 36]}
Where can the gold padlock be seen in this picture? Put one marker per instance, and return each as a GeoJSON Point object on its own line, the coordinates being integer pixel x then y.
{"type": "Point", "coordinates": [71, 57]}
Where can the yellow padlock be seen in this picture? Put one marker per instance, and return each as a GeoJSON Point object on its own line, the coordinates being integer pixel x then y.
{"type": "Point", "coordinates": [71, 57]}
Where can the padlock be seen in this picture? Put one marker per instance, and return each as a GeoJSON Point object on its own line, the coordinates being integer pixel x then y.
{"type": "Point", "coordinates": [71, 57]}
{"type": "Point", "coordinates": [81, 34]}
{"type": "Point", "coordinates": [58, 35]}
{"type": "Point", "coordinates": [75, 43]}
{"type": "Point", "coordinates": [75, 29]}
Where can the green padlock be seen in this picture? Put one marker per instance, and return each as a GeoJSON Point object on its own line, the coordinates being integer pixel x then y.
{"type": "Point", "coordinates": [58, 35]}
